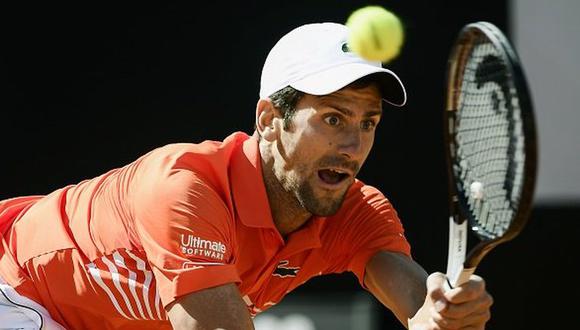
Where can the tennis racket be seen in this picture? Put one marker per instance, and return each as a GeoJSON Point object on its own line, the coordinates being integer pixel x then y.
{"type": "Point", "coordinates": [490, 147]}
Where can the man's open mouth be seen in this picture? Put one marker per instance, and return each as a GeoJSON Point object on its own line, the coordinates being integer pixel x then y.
{"type": "Point", "coordinates": [332, 176]}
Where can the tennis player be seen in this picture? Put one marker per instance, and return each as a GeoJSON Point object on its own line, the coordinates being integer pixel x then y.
{"type": "Point", "coordinates": [205, 236]}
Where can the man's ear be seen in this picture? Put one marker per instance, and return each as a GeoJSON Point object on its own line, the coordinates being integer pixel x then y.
{"type": "Point", "coordinates": [267, 123]}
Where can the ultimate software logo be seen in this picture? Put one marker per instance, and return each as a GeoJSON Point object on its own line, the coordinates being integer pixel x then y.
{"type": "Point", "coordinates": [196, 246]}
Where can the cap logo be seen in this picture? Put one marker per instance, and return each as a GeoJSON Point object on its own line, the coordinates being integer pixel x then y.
{"type": "Point", "coordinates": [346, 48]}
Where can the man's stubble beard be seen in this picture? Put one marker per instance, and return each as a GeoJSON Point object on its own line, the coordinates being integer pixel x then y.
{"type": "Point", "coordinates": [323, 207]}
{"type": "Point", "coordinates": [303, 193]}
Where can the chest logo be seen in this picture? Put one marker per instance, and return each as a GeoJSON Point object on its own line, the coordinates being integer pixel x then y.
{"type": "Point", "coordinates": [283, 270]}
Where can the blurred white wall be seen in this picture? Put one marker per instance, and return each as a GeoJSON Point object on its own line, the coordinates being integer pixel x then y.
{"type": "Point", "coordinates": [329, 311]}
{"type": "Point", "coordinates": [546, 35]}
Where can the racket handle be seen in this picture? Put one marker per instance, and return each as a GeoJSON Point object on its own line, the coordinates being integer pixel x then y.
{"type": "Point", "coordinates": [456, 254]}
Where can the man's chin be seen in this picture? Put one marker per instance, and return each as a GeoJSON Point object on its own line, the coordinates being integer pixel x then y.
{"type": "Point", "coordinates": [326, 206]}
{"type": "Point", "coordinates": [319, 201]}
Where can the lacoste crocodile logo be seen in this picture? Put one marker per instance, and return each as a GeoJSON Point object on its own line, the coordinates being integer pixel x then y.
{"type": "Point", "coordinates": [282, 270]}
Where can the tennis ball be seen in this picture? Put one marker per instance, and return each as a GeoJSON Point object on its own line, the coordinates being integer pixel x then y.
{"type": "Point", "coordinates": [376, 34]}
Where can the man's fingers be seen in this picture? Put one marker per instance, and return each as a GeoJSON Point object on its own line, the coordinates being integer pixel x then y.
{"type": "Point", "coordinates": [471, 321]}
{"type": "Point", "coordinates": [436, 290]}
{"type": "Point", "coordinates": [481, 303]}
{"type": "Point", "coordinates": [436, 281]}
{"type": "Point", "coordinates": [468, 291]}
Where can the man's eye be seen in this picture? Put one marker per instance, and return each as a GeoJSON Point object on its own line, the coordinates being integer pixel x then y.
{"type": "Point", "coordinates": [367, 125]}
{"type": "Point", "coordinates": [332, 120]}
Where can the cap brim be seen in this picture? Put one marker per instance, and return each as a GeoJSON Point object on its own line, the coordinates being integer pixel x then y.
{"type": "Point", "coordinates": [331, 80]}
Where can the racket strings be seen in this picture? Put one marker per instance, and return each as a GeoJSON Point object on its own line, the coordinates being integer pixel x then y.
{"type": "Point", "coordinates": [489, 140]}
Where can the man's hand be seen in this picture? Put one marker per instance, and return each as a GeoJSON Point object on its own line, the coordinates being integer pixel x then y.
{"type": "Point", "coordinates": [464, 307]}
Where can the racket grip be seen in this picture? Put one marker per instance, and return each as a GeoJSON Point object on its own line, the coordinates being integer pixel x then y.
{"type": "Point", "coordinates": [461, 278]}
{"type": "Point", "coordinates": [456, 274]}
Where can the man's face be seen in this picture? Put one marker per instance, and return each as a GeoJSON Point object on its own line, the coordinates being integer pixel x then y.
{"type": "Point", "coordinates": [324, 147]}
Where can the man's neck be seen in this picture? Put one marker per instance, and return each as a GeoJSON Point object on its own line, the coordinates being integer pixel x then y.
{"type": "Point", "coordinates": [287, 213]}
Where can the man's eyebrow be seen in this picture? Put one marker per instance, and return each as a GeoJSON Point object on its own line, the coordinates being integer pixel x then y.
{"type": "Point", "coordinates": [348, 112]}
{"type": "Point", "coordinates": [345, 111]}
{"type": "Point", "coordinates": [374, 112]}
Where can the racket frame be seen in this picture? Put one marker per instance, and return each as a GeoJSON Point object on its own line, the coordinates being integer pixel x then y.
{"type": "Point", "coordinates": [462, 263]}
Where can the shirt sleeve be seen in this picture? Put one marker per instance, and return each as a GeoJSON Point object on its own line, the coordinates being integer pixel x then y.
{"type": "Point", "coordinates": [371, 224]}
{"type": "Point", "coordinates": [187, 233]}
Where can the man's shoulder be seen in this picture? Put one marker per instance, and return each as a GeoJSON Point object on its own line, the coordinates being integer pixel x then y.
{"type": "Point", "coordinates": [362, 194]}
{"type": "Point", "coordinates": [366, 215]}
{"type": "Point", "coordinates": [176, 168]}
{"type": "Point", "coordinates": [201, 156]}
{"type": "Point", "coordinates": [362, 204]}
{"type": "Point", "coordinates": [200, 149]}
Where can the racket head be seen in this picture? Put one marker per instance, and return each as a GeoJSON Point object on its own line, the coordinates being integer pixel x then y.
{"type": "Point", "coordinates": [491, 137]}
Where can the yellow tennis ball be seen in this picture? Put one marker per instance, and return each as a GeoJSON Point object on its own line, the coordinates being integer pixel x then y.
{"type": "Point", "coordinates": [376, 34]}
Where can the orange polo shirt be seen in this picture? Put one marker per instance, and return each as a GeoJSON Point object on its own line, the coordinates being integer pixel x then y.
{"type": "Point", "coordinates": [113, 251]}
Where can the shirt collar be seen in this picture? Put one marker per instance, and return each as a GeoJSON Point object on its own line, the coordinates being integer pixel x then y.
{"type": "Point", "coordinates": [307, 237]}
{"type": "Point", "coordinates": [249, 192]}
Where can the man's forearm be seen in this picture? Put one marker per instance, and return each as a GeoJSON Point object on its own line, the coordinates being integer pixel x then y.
{"type": "Point", "coordinates": [214, 308]}
{"type": "Point", "coordinates": [398, 282]}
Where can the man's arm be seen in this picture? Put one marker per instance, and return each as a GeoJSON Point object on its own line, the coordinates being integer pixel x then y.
{"type": "Point", "coordinates": [421, 302]}
{"type": "Point", "coordinates": [220, 307]}
{"type": "Point", "coordinates": [397, 282]}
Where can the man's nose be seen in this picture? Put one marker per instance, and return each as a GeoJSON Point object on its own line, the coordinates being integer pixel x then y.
{"type": "Point", "coordinates": [351, 143]}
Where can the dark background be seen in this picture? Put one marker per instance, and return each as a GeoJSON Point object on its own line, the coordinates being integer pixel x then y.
{"type": "Point", "coordinates": [91, 87]}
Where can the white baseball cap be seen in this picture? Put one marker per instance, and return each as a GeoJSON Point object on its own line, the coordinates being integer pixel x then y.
{"type": "Point", "coordinates": [315, 59]}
